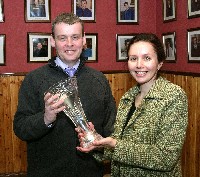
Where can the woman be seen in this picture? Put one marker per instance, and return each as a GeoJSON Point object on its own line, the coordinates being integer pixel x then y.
{"type": "Point", "coordinates": [151, 121]}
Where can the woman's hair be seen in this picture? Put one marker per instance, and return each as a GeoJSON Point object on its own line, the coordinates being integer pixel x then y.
{"type": "Point", "coordinates": [153, 40]}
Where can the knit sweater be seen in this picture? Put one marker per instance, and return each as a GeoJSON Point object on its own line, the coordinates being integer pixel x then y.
{"type": "Point", "coordinates": [52, 151]}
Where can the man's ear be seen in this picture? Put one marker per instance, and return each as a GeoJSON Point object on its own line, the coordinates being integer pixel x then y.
{"type": "Point", "coordinates": [52, 41]}
{"type": "Point", "coordinates": [84, 39]}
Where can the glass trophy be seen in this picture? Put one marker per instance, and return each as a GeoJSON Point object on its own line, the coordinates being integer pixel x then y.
{"type": "Point", "coordinates": [68, 90]}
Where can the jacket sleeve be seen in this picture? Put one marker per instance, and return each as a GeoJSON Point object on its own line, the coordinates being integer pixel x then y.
{"type": "Point", "coordinates": [164, 153]}
{"type": "Point", "coordinates": [29, 118]}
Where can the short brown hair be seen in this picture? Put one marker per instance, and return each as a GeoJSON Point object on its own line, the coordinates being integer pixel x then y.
{"type": "Point", "coordinates": [68, 18]}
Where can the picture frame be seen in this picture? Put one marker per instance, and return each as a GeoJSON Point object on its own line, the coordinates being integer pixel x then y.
{"type": "Point", "coordinates": [193, 45]}
{"type": "Point", "coordinates": [37, 11]}
{"type": "Point", "coordinates": [127, 12]}
{"type": "Point", "coordinates": [122, 45]}
{"type": "Point", "coordinates": [193, 8]}
{"type": "Point", "coordinates": [39, 47]}
{"type": "Point", "coordinates": [169, 10]}
{"type": "Point", "coordinates": [1, 11]}
{"type": "Point", "coordinates": [89, 12]}
{"type": "Point", "coordinates": [2, 49]}
{"type": "Point", "coordinates": [169, 43]}
{"type": "Point", "coordinates": [90, 50]}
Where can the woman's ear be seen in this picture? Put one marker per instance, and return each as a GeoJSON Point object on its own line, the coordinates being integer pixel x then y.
{"type": "Point", "coordinates": [160, 65]}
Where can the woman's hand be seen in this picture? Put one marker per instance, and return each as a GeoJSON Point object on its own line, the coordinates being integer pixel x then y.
{"type": "Point", "coordinates": [97, 144]}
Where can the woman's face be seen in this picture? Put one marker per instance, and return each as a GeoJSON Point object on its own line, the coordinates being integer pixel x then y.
{"type": "Point", "coordinates": [143, 62]}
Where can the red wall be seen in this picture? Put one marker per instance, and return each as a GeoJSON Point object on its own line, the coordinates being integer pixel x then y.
{"type": "Point", "coordinates": [150, 20]}
{"type": "Point", "coordinates": [179, 26]}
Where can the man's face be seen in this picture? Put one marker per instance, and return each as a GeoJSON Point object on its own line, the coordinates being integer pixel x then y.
{"type": "Point", "coordinates": [68, 41]}
{"type": "Point", "coordinates": [83, 4]}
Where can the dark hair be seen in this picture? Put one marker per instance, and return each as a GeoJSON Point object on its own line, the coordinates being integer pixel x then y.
{"type": "Point", "coordinates": [68, 18]}
{"type": "Point", "coordinates": [125, 3]}
{"type": "Point", "coordinates": [153, 40]}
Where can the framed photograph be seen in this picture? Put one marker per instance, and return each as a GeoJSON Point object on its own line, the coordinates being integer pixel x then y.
{"type": "Point", "coordinates": [85, 9]}
{"type": "Point", "coordinates": [193, 8]}
{"type": "Point", "coordinates": [39, 47]}
{"type": "Point", "coordinates": [2, 49]}
{"type": "Point", "coordinates": [37, 11]}
{"type": "Point", "coordinates": [127, 12]}
{"type": "Point", "coordinates": [169, 10]}
{"type": "Point", "coordinates": [193, 45]}
{"type": "Point", "coordinates": [1, 11]}
{"type": "Point", "coordinates": [91, 47]}
{"type": "Point", "coordinates": [122, 46]}
{"type": "Point", "coordinates": [169, 42]}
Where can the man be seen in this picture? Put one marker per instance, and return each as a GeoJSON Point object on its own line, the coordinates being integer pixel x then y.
{"type": "Point", "coordinates": [169, 8]}
{"type": "Point", "coordinates": [128, 14]}
{"type": "Point", "coordinates": [40, 51]}
{"type": "Point", "coordinates": [87, 52]}
{"type": "Point", "coordinates": [195, 5]}
{"type": "Point", "coordinates": [1, 12]}
{"type": "Point", "coordinates": [195, 48]}
{"type": "Point", "coordinates": [124, 51]}
{"type": "Point", "coordinates": [83, 11]}
{"type": "Point", "coordinates": [40, 120]}
{"type": "Point", "coordinates": [168, 49]}
{"type": "Point", "coordinates": [37, 9]}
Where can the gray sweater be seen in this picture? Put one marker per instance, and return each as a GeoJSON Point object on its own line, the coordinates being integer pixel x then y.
{"type": "Point", "coordinates": [52, 151]}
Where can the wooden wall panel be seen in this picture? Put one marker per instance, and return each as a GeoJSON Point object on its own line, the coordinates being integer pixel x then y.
{"type": "Point", "coordinates": [13, 151]}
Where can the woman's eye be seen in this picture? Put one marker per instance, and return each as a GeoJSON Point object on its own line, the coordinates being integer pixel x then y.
{"type": "Point", "coordinates": [147, 58]}
{"type": "Point", "coordinates": [132, 58]}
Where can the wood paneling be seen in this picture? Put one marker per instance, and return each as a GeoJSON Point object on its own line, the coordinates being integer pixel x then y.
{"type": "Point", "coordinates": [13, 150]}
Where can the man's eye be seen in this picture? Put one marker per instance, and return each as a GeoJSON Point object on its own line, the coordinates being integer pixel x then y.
{"type": "Point", "coordinates": [75, 38]}
{"type": "Point", "coordinates": [61, 38]}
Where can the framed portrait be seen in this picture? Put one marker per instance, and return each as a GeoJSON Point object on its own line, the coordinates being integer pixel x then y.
{"type": "Point", "coordinates": [91, 47]}
{"type": "Point", "coordinates": [169, 42]}
{"type": "Point", "coordinates": [193, 38]}
{"type": "Point", "coordinates": [123, 41]}
{"type": "Point", "coordinates": [193, 8]}
{"type": "Point", "coordinates": [127, 12]}
{"type": "Point", "coordinates": [39, 47]}
{"type": "Point", "coordinates": [37, 11]}
{"type": "Point", "coordinates": [1, 11]}
{"type": "Point", "coordinates": [85, 9]}
{"type": "Point", "coordinates": [169, 10]}
{"type": "Point", "coordinates": [2, 49]}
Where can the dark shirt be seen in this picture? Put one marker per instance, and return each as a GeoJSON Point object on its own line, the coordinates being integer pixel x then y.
{"type": "Point", "coordinates": [83, 12]}
{"type": "Point", "coordinates": [40, 53]}
{"type": "Point", "coordinates": [87, 52]}
{"type": "Point", "coordinates": [128, 14]}
{"type": "Point", "coordinates": [38, 11]}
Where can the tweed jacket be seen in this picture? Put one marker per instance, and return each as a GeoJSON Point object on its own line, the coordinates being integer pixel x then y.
{"type": "Point", "coordinates": [51, 152]}
{"type": "Point", "coordinates": [151, 143]}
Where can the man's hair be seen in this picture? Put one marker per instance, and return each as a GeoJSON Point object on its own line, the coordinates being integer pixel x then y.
{"type": "Point", "coordinates": [126, 3]}
{"type": "Point", "coordinates": [67, 18]}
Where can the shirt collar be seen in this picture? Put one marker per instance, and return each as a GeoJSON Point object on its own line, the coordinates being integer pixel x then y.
{"type": "Point", "coordinates": [59, 62]}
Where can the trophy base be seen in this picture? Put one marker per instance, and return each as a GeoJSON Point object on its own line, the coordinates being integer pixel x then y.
{"type": "Point", "coordinates": [90, 137]}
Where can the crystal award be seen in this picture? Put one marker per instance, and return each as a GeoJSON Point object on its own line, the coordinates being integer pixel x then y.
{"type": "Point", "coordinates": [68, 90]}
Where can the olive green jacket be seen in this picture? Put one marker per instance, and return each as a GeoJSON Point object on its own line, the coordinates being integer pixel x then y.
{"type": "Point", "coordinates": [151, 143]}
